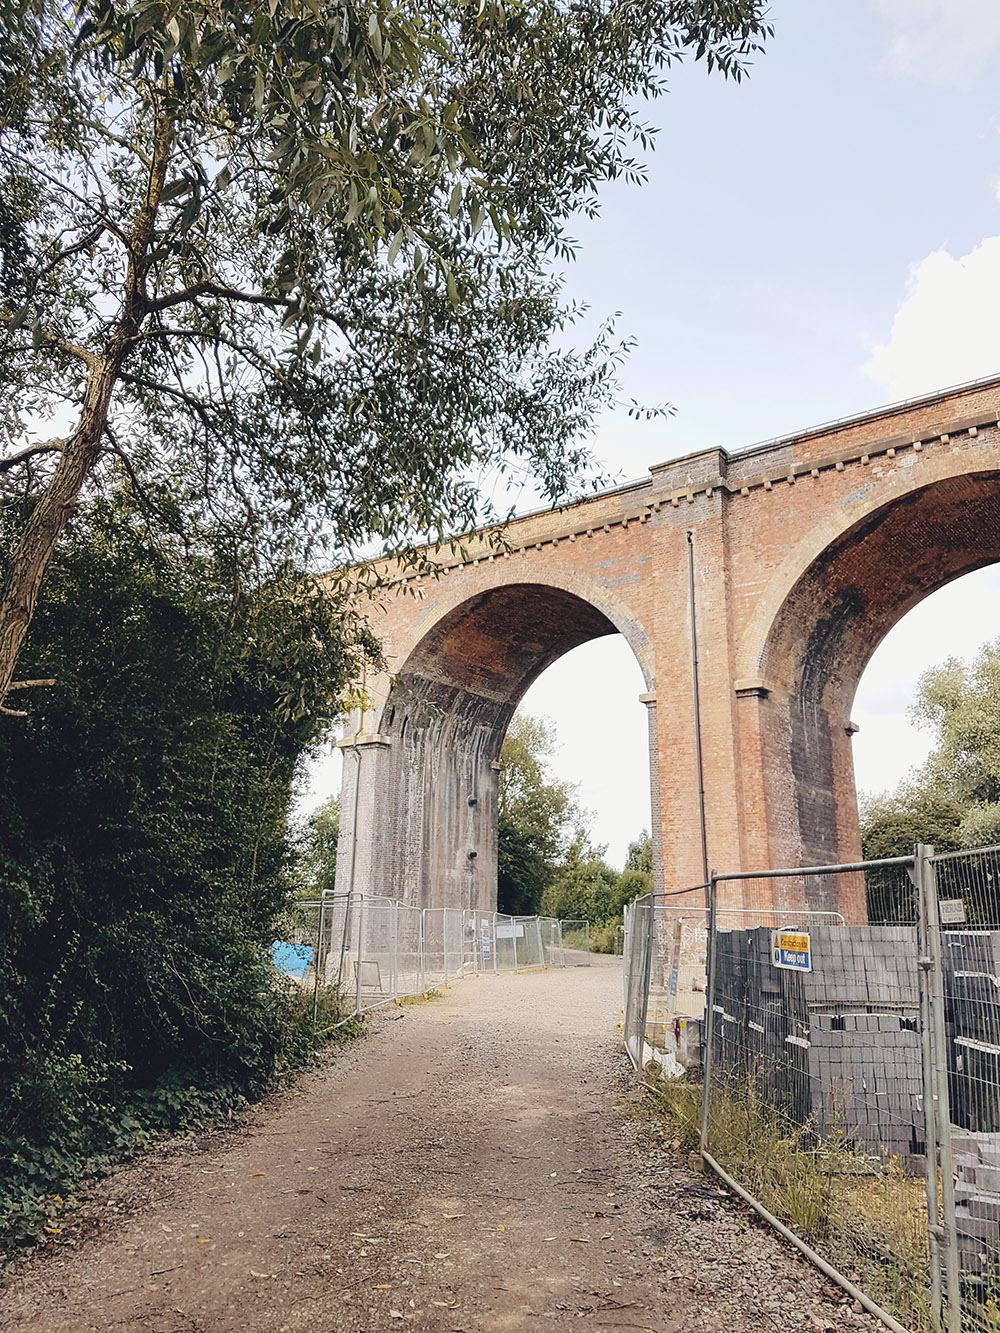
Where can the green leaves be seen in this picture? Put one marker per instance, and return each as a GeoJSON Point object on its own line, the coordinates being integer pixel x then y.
{"type": "Point", "coordinates": [953, 800]}
{"type": "Point", "coordinates": [537, 815]}
{"type": "Point", "coordinates": [296, 260]}
{"type": "Point", "coordinates": [144, 857]}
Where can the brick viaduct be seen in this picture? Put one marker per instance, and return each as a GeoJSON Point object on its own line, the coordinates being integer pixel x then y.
{"type": "Point", "coordinates": [807, 550]}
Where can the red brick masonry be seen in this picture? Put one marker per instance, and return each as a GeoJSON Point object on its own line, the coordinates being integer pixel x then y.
{"type": "Point", "coordinates": [807, 551]}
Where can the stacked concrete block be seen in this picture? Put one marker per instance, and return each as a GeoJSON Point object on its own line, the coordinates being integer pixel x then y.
{"type": "Point", "coordinates": [977, 1197]}
{"type": "Point", "coordinates": [837, 1046]}
{"type": "Point", "coordinates": [866, 1081]}
{"type": "Point", "coordinates": [751, 1020]}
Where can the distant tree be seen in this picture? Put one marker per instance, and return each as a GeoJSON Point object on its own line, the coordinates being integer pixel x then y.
{"type": "Point", "coordinates": [894, 822]}
{"type": "Point", "coordinates": [537, 815]}
{"type": "Point", "coordinates": [962, 705]}
{"type": "Point", "coordinates": [583, 885]}
{"type": "Point", "coordinates": [953, 800]}
{"type": "Point", "coordinates": [640, 855]}
{"type": "Point", "coordinates": [317, 848]}
{"type": "Point", "coordinates": [637, 877]}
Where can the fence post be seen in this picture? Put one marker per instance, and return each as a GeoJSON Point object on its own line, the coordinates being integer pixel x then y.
{"type": "Point", "coordinates": [541, 942]}
{"type": "Point", "coordinates": [934, 1232]}
{"type": "Point", "coordinates": [513, 930]}
{"type": "Point", "coordinates": [421, 965]}
{"type": "Point", "coordinates": [942, 1103]}
{"type": "Point", "coordinates": [357, 955]}
{"type": "Point", "coordinates": [319, 945]}
{"type": "Point", "coordinates": [709, 1010]}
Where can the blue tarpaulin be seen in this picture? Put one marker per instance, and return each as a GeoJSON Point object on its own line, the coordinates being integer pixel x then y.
{"type": "Point", "coordinates": [295, 959]}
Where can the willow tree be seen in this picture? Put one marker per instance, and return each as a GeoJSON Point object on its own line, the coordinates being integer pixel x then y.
{"type": "Point", "coordinates": [294, 260]}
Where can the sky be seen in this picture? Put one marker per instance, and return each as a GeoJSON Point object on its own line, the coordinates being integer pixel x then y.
{"type": "Point", "coordinates": [822, 239]}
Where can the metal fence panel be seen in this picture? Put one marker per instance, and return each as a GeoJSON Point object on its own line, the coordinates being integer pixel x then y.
{"type": "Point", "coordinates": [639, 921]}
{"type": "Point", "coordinates": [505, 936]}
{"type": "Point", "coordinates": [375, 949]}
{"type": "Point", "coordinates": [443, 945]}
{"type": "Point", "coordinates": [480, 953]}
{"type": "Point", "coordinates": [825, 1097]}
{"type": "Point", "coordinates": [965, 913]}
{"type": "Point", "coordinates": [528, 939]}
{"type": "Point", "coordinates": [814, 1091]}
{"type": "Point", "coordinates": [550, 933]}
{"type": "Point", "coordinates": [677, 963]}
{"type": "Point", "coordinates": [576, 943]}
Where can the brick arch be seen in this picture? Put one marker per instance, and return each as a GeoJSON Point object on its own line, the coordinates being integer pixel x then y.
{"type": "Point", "coordinates": [804, 550]}
{"type": "Point", "coordinates": [461, 588]}
{"type": "Point", "coordinates": [830, 529]}
{"type": "Point", "coordinates": [909, 542]}
{"type": "Point", "coordinates": [460, 672]}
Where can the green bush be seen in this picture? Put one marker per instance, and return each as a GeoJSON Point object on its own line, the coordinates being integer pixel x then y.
{"type": "Point", "coordinates": [144, 857]}
{"type": "Point", "coordinates": [602, 938]}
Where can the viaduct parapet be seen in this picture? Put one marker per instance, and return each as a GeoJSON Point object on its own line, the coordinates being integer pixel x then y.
{"type": "Point", "coordinates": [807, 550]}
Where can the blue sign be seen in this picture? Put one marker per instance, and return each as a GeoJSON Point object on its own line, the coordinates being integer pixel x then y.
{"type": "Point", "coordinates": [790, 949]}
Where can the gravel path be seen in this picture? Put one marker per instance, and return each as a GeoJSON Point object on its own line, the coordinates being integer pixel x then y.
{"type": "Point", "coordinates": [470, 1165]}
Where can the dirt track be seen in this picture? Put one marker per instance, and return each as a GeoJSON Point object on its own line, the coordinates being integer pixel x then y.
{"type": "Point", "coordinates": [468, 1166]}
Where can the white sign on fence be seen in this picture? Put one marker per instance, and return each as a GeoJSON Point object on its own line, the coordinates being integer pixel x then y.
{"type": "Point", "coordinates": [510, 930]}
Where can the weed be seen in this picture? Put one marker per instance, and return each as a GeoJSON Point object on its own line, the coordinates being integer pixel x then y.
{"type": "Point", "coordinates": [102, 1121]}
{"type": "Point", "coordinates": [419, 999]}
{"type": "Point", "coordinates": [865, 1215]}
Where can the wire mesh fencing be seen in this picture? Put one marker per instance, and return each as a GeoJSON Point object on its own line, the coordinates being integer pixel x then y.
{"type": "Point", "coordinates": [576, 943]}
{"type": "Point", "coordinates": [967, 909]}
{"type": "Point", "coordinates": [374, 950]}
{"type": "Point", "coordinates": [638, 955]}
{"type": "Point", "coordinates": [850, 1064]}
{"type": "Point", "coordinates": [813, 1093]}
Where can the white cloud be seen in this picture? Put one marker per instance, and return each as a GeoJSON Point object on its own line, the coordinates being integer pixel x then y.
{"type": "Point", "coordinates": [940, 41]}
{"type": "Point", "coordinates": [947, 330]}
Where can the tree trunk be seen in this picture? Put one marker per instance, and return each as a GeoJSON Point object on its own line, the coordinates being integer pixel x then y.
{"type": "Point", "coordinates": [34, 550]}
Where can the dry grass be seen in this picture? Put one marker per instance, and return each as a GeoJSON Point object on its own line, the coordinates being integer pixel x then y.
{"type": "Point", "coordinates": [866, 1217]}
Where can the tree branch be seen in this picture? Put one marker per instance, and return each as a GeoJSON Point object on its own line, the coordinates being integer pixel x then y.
{"type": "Point", "coordinates": [50, 447]}
{"type": "Point", "coordinates": [223, 293]}
{"type": "Point", "coordinates": [91, 238]}
{"type": "Point", "coordinates": [197, 405]}
{"type": "Point", "coordinates": [21, 685]}
{"type": "Point", "coordinates": [90, 359]}
{"type": "Point", "coordinates": [123, 143]}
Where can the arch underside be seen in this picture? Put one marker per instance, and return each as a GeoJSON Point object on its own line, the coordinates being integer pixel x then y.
{"type": "Point", "coordinates": [832, 622]}
{"type": "Point", "coordinates": [444, 722]}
